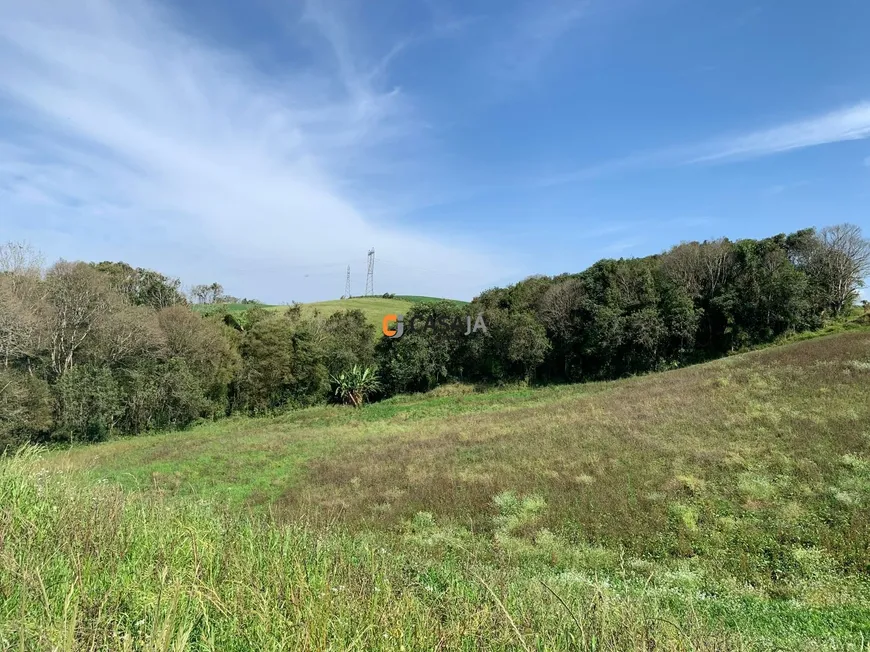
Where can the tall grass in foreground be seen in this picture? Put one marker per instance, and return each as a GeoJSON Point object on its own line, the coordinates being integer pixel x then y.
{"type": "Point", "coordinates": [88, 567]}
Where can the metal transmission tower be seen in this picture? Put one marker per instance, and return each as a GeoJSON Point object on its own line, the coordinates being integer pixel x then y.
{"type": "Point", "coordinates": [370, 277]}
{"type": "Point", "coordinates": [347, 284]}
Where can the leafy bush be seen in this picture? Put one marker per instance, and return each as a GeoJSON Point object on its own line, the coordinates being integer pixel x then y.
{"type": "Point", "coordinates": [89, 404]}
{"type": "Point", "coordinates": [355, 386]}
{"type": "Point", "coordinates": [25, 408]}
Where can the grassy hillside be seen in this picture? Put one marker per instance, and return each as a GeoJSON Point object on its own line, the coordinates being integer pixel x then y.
{"type": "Point", "coordinates": [374, 307]}
{"type": "Point", "coordinates": [232, 308]}
{"type": "Point", "coordinates": [419, 299]}
{"type": "Point", "coordinates": [719, 507]}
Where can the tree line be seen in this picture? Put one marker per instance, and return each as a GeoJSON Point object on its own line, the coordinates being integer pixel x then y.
{"type": "Point", "coordinates": [91, 350]}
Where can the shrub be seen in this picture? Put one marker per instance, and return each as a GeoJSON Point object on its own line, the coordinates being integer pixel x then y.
{"type": "Point", "coordinates": [88, 404]}
{"type": "Point", "coordinates": [355, 386]}
{"type": "Point", "coordinates": [25, 408]}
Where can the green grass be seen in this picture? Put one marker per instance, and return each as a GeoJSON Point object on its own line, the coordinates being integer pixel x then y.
{"type": "Point", "coordinates": [419, 299]}
{"type": "Point", "coordinates": [89, 567]}
{"type": "Point", "coordinates": [857, 321]}
{"type": "Point", "coordinates": [724, 506]}
{"type": "Point", "coordinates": [232, 308]}
{"type": "Point", "coordinates": [374, 308]}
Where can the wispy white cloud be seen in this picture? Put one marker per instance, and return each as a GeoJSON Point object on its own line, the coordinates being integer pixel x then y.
{"type": "Point", "coordinates": [122, 135]}
{"type": "Point", "coordinates": [841, 125]}
{"type": "Point", "coordinates": [629, 230]}
{"type": "Point", "coordinates": [850, 123]}
{"type": "Point", "coordinates": [532, 34]}
{"type": "Point", "coordinates": [780, 188]}
{"type": "Point", "coordinates": [599, 170]}
{"type": "Point", "coordinates": [620, 246]}
{"type": "Point", "coordinates": [446, 23]}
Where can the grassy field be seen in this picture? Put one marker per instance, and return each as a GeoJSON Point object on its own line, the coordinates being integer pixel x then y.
{"type": "Point", "coordinates": [724, 506]}
{"type": "Point", "coordinates": [232, 308]}
{"type": "Point", "coordinates": [419, 299]}
{"type": "Point", "coordinates": [374, 307]}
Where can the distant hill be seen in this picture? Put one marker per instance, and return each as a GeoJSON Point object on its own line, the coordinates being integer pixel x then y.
{"type": "Point", "coordinates": [374, 308]}
{"type": "Point", "coordinates": [418, 299]}
{"type": "Point", "coordinates": [231, 308]}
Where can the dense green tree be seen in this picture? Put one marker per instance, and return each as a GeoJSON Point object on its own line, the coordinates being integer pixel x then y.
{"type": "Point", "coordinates": [433, 348]}
{"type": "Point", "coordinates": [527, 345]}
{"type": "Point", "coordinates": [768, 295]}
{"type": "Point", "coordinates": [25, 408]}
{"type": "Point", "coordinates": [161, 395]}
{"type": "Point", "coordinates": [88, 350]}
{"type": "Point", "coordinates": [349, 341]}
{"type": "Point", "coordinates": [681, 320]}
{"type": "Point", "coordinates": [283, 366]}
{"type": "Point", "coordinates": [89, 404]}
{"type": "Point", "coordinates": [206, 346]}
{"type": "Point", "coordinates": [143, 287]}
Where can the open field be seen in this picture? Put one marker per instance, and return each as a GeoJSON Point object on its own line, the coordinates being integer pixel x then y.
{"type": "Point", "coordinates": [419, 299]}
{"type": "Point", "coordinates": [374, 308]}
{"type": "Point", "coordinates": [722, 506]}
{"type": "Point", "coordinates": [232, 308]}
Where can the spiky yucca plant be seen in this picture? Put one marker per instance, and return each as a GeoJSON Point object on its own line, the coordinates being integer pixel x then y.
{"type": "Point", "coordinates": [353, 387]}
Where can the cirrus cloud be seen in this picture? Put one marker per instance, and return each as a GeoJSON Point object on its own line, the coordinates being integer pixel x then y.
{"type": "Point", "coordinates": [122, 135]}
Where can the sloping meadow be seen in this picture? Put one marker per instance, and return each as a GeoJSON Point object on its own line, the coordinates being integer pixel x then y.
{"type": "Point", "coordinates": [723, 506]}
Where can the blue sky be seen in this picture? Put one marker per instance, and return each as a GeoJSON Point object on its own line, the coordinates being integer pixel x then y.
{"type": "Point", "coordinates": [268, 145]}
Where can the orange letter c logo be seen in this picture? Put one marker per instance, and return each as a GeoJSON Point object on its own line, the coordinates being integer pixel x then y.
{"type": "Point", "coordinates": [385, 325]}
